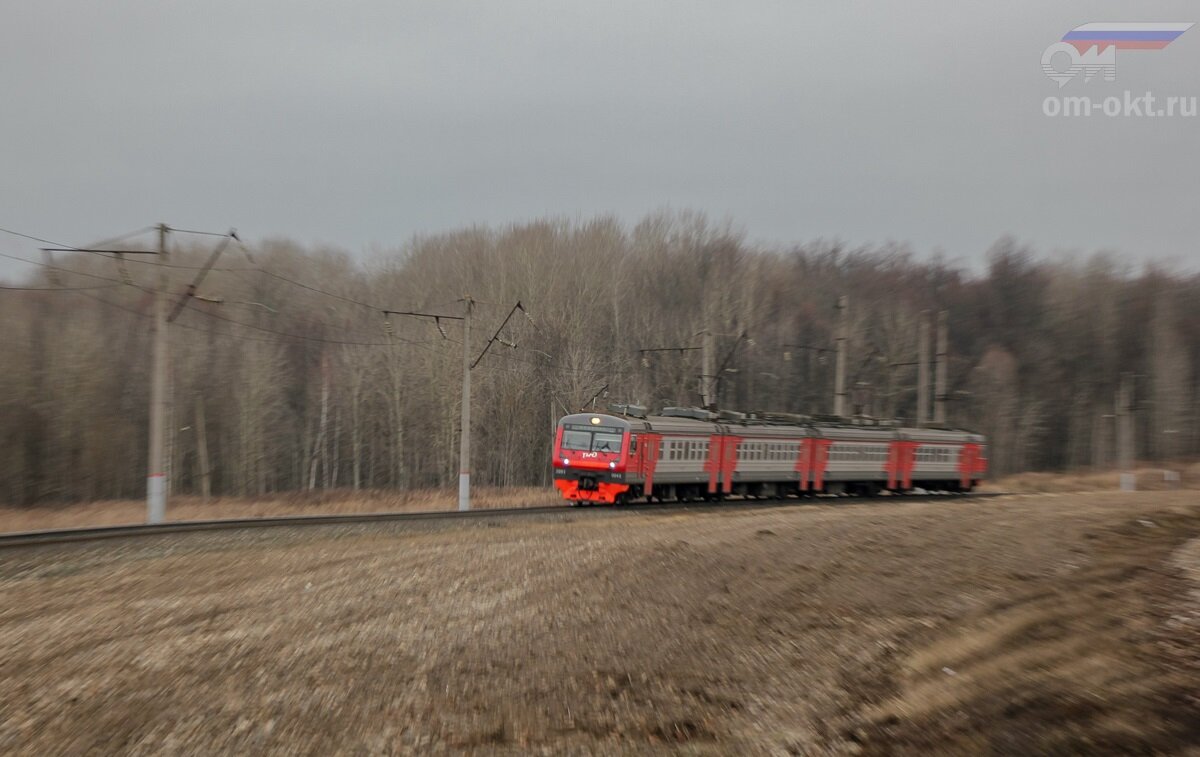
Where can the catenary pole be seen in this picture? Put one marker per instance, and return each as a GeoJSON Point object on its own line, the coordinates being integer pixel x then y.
{"type": "Point", "coordinates": [1125, 432]}
{"type": "Point", "coordinates": [839, 379]}
{"type": "Point", "coordinates": [707, 377]}
{"type": "Point", "coordinates": [939, 378]}
{"type": "Point", "coordinates": [464, 442]}
{"type": "Point", "coordinates": [156, 477]}
{"type": "Point", "coordinates": [923, 370]}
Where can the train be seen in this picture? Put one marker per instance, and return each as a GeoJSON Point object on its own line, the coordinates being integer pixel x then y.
{"type": "Point", "coordinates": [691, 454]}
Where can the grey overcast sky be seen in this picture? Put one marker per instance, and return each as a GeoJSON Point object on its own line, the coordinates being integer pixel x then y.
{"type": "Point", "coordinates": [359, 124]}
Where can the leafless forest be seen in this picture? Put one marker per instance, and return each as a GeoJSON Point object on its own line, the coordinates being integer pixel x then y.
{"type": "Point", "coordinates": [287, 371]}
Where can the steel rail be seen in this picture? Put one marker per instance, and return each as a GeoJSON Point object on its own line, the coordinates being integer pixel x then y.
{"type": "Point", "coordinates": [138, 530]}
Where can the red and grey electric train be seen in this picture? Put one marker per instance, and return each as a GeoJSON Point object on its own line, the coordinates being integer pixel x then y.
{"type": "Point", "coordinates": [687, 454]}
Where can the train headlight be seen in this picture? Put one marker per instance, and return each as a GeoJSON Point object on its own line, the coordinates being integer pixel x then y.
{"type": "Point", "coordinates": [566, 462]}
{"type": "Point", "coordinates": [612, 464]}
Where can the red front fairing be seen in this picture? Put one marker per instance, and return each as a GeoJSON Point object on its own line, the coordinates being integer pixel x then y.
{"type": "Point", "coordinates": [605, 491]}
{"type": "Point", "coordinates": [573, 461]}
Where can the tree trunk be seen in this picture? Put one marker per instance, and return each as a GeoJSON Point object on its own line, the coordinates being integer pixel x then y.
{"type": "Point", "coordinates": [202, 450]}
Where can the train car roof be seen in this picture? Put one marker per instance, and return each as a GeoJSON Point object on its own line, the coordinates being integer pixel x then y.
{"type": "Point", "coordinates": [595, 419]}
{"type": "Point", "coordinates": [678, 425]}
{"type": "Point", "coordinates": [751, 427]}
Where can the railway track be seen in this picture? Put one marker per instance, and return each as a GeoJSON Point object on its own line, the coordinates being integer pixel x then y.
{"type": "Point", "coordinates": [99, 533]}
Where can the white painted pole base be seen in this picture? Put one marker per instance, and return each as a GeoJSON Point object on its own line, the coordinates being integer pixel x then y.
{"type": "Point", "coordinates": [156, 501]}
{"type": "Point", "coordinates": [464, 491]}
{"type": "Point", "coordinates": [1128, 482]}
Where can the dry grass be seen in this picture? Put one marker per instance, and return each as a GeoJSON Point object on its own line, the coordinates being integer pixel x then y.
{"type": "Point", "coordinates": [344, 501]}
{"type": "Point", "coordinates": [1149, 478]}
{"type": "Point", "coordinates": [336, 502]}
{"type": "Point", "coordinates": [1025, 624]}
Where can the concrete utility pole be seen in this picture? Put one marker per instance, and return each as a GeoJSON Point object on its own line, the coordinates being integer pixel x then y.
{"type": "Point", "coordinates": [156, 477]}
{"type": "Point", "coordinates": [839, 380]}
{"type": "Point", "coordinates": [159, 457]}
{"type": "Point", "coordinates": [943, 347]}
{"type": "Point", "coordinates": [464, 435]}
{"type": "Point", "coordinates": [1125, 432]}
{"type": "Point", "coordinates": [707, 377]}
{"type": "Point", "coordinates": [464, 441]}
{"type": "Point", "coordinates": [923, 369]}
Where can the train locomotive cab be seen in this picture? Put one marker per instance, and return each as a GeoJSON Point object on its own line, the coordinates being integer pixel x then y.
{"type": "Point", "coordinates": [591, 451]}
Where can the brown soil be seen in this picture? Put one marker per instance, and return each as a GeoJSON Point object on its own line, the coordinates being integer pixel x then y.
{"type": "Point", "coordinates": [333, 502]}
{"type": "Point", "coordinates": [1168, 476]}
{"type": "Point", "coordinates": [1014, 625]}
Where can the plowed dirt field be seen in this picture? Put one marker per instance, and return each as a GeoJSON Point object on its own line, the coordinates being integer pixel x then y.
{"type": "Point", "coordinates": [1017, 625]}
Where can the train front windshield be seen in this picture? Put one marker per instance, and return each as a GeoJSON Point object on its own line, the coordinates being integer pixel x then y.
{"type": "Point", "coordinates": [592, 438]}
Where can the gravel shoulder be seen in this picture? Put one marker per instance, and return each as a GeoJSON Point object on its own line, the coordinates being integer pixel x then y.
{"type": "Point", "coordinates": [1019, 624]}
